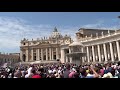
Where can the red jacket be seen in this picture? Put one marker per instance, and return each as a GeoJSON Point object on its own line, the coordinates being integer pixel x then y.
{"type": "Point", "coordinates": [36, 76]}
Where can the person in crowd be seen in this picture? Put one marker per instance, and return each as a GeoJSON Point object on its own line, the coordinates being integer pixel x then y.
{"type": "Point", "coordinates": [17, 74]}
{"type": "Point", "coordinates": [35, 74]}
{"type": "Point", "coordinates": [42, 73]}
{"type": "Point", "coordinates": [67, 71]}
{"type": "Point", "coordinates": [92, 73]}
{"type": "Point", "coordinates": [83, 73]}
{"type": "Point", "coordinates": [61, 70]}
{"type": "Point", "coordinates": [29, 71]}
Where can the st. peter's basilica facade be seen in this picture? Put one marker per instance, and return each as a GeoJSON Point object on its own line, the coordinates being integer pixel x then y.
{"type": "Point", "coordinates": [99, 46]}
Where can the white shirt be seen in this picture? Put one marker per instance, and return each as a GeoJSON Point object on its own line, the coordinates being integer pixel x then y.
{"type": "Point", "coordinates": [54, 71]}
{"type": "Point", "coordinates": [59, 71]}
{"type": "Point", "coordinates": [29, 72]}
{"type": "Point", "coordinates": [8, 70]}
{"type": "Point", "coordinates": [15, 77]}
{"type": "Point", "coordinates": [50, 71]}
{"type": "Point", "coordinates": [90, 75]}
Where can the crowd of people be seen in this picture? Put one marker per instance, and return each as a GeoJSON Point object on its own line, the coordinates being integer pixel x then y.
{"type": "Point", "coordinates": [60, 70]}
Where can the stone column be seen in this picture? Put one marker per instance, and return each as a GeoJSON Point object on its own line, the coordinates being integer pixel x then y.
{"type": "Point", "coordinates": [50, 53]}
{"type": "Point", "coordinates": [93, 53]}
{"type": "Point", "coordinates": [41, 54]}
{"type": "Point", "coordinates": [26, 55]}
{"type": "Point", "coordinates": [46, 53]}
{"type": "Point", "coordinates": [62, 56]}
{"type": "Point", "coordinates": [105, 52]}
{"type": "Point", "coordinates": [88, 55]}
{"type": "Point", "coordinates": [99, 55]}
{"type": "Point", "coordinates": [111, 51]}
{"type": "Point", "coordinates": [21, 55]}
{"type": "Point", "coordinates": [83, 58]}
{"type": "Point", "coordinates": [38, 54]}
{"type": "Point", "coordinates": [70, 57]}
{"type": "Point", "coordinates": [57, 55]}
{"type": "Point", "coordinates": [118, 49]}
{"type": "Point", "coordinates": [32, 54]}
{"type": "Point", "coordinates": [66, 59]}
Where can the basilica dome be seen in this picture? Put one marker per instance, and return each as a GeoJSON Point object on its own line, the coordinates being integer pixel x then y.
{"type": "Point", "coordinates": [56, 34]}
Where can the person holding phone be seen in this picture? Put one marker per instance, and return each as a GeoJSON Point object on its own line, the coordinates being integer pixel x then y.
{"type": "Point", "coordinates": [92, 73]}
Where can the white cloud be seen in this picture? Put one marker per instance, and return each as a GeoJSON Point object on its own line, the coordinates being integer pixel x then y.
{"type": "Point", "coordinates": [95, 25]}
{"type": "Point", "coordinates": [104, 24]}
{"type": "Point", "coordinates": [69, 31]}
{"type": "Point", "coordinates": [12, 30]}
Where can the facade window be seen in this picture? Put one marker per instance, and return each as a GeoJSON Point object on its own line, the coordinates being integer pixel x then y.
{"type": "Point", "coordinates": [34, 57]}
{"type": "Point", "coordinates": [23, 43]}
{"type": "Point", "coordinates": [34, 54]}
{"type": "Point", "coordinates": [67, 51]}
{"type": "Point", "coordinates": [54, 57]}
{"type": "Point", "coordinates": [44, 58]}
{"type": "Point", "coordinates": [24, 57]}
{"type": "Point", "coordinates": [48, 58]}
{"type": "Point", "coordinates": [40, 58]}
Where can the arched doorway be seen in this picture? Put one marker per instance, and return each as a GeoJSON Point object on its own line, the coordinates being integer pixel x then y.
{"type": "Point", "coordinates": [24, 57]}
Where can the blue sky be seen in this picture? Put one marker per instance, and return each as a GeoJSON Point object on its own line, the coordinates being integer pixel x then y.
{"type": "Point", "coordinates": [16, 25]}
